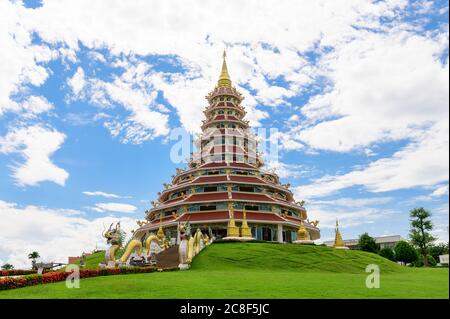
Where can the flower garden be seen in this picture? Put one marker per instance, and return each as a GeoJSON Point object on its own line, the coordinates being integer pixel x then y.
{"type": "Point", "coordinates": [30, 278]}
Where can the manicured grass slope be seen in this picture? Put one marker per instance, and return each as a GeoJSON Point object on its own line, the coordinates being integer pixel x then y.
{"type": "Point", "coordinates": [291, 257]}
{"type": "Point", "coordinates": [256, 270]}
{"type": "Point", "coordinates": [93, 260]}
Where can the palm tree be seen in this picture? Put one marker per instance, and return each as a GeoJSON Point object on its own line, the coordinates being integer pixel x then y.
{"type": "Point", "coordinates": [7, 267]}
{"type": "Point", "coordinates": [33, 256]}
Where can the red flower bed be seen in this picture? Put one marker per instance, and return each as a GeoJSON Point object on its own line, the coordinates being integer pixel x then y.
{"type": "Point", "coordinates": [16, 272]}
{"type": "Point", "coordinates": [31, 280]}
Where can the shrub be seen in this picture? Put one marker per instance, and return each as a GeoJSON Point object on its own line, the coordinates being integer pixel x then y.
{"type": "Point", "coordinates": [419, 262]}
{"type": "Point", "coordinates": [16, 272]}
{"type": "Point", "coordinates": [367, 243]}
{"type": "Point", "coordinates": [387, 253]}
{"type": "Point", "coordinates": [405, 253]}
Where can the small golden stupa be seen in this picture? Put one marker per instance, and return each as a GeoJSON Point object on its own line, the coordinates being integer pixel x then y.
{"type": "Point", "coordinates": [338, 242]}
{"type": "Point", "coordinates": [302, 233]}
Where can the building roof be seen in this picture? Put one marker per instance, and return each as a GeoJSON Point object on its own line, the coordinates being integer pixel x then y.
{"type": "Point", "coordinates": [378, 240]}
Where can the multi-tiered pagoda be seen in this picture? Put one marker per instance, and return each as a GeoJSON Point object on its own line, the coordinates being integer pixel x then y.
{"type": "Point", "coordinates": [224, 191]}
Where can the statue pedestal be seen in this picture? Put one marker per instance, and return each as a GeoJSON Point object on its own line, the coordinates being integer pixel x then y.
{"type": "Point", "coordinates": [304, 241]}
{"type": "Point", "coordinates": [238, 238]}
{"type": "Point", "coordinates": [341, 247]}
{"type": "Point", "coordinates": [184, 266]}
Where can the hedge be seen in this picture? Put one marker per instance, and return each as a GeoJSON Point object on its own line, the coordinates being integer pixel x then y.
{"type": "Point", "coordinates": [16, 272]}
{"type": "Point", "coordinates": [51, 277]}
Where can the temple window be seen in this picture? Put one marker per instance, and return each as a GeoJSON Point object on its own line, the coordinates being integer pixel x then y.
{"type": "Point", "coordinates": [247, 189]}
{"type": "Point", "coordinates": [210, 189]}
{"type": "Point", "coordinates": [207, 207]}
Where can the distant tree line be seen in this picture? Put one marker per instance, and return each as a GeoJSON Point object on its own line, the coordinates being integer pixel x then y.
{"type": "Point", "coordinates": [419, 251]}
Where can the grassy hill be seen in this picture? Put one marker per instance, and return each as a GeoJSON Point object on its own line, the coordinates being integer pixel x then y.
{"type": "Point", "coordinates": [259, 270]}
{"type": "Point", "coordinates": [282, 257]}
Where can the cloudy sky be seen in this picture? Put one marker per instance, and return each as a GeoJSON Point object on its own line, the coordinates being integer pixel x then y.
{"type": "Point", "coordinates": [90, 92]}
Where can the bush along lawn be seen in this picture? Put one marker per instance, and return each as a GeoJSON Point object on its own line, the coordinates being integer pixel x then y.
{"type": "Point", "coordinates": [55, 276]}
{"type": "Point", "coordinates": [16, 272]}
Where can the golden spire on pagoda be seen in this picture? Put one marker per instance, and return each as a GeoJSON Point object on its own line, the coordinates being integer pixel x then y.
{"type": "Point", "coordinates": [338, 242]}
{"type": "Point", "coordinates": [224, 79]}
{"type": "Point", "coordinates": [245, 230]}
{"type": "Point", "coordinates": [302, 233]}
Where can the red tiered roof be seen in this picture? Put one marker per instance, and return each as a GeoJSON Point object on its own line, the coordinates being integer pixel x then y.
{"type": "Point", "coordinates": [211, 179]}
{"type": "Point", "coordinates": [259, 216]}
{"type": "Point", "coordinates": [252, 197]}
{"type": "Point", "coordinates": [246, 179]}
{"type": "Point", "coordinates": [207, 197]}
{"type": "Point", "coordinates": [221, 215]}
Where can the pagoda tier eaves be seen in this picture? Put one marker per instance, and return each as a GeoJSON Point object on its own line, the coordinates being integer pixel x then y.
{"type": "Point", "coordinates": [226, 179]}
{"type": "Point", "coordinates": [213, 197]}
{"type": "Point", "coordinates": [223, 216]}
{"type": "Point", "coordinates": [224, 91]}
{"type": "Point", "coordinates": [224, 165]}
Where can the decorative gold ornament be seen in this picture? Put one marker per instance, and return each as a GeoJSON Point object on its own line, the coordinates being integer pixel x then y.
{"type": "Point", "coordinates": [302, 233]}
{"type": "Point", "coordinates": [160, 232]}
{"type": "Point", "coordinates": [224, 79]}
{"type": "Point", "coordinates": [338, 242]}
{"type": "Point", "coordinates": [245, 230]}
{"type": "Point", "coordinates": [232, 230]}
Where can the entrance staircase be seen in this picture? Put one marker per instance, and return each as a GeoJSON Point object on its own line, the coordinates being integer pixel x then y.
{"type": "Point", "coordinates": [168, 258]}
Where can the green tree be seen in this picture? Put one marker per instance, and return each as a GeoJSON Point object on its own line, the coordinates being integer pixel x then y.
{"type": "Point", "coordinates": [405, 252]}
{"type": "Point", "coordinates": [387, 253]}
{"type": "Point", "coordinates": [419, 262]}
{"type": "Point", "coordinates": [33, 256]}
{"type": "Point", "coordinates": [367, 243]}
{"type": "Point", "coordinates": [419, 232]}
{"type": "Point", "coordinates": [7, 267]}
{"type": "Point", "coordinates": [437, 250]}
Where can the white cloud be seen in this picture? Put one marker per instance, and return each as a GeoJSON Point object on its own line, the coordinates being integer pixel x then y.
{"type": "Point", "coordinates": [20, 60]}
{"type": "Point", "coordinates": [34, 105]}
{"type": "Point", "coordinates": [35, 144]}
{"type": "Point", "coordinates": [440, 191]}
{"type": "Point", "coordinates": [284, 170]}
{"type": "Point", "coordinates": [385, 87]}
{"type": "Point", "coordinates": [130, 90]}
{"type": "Point", "coordinates": [197, 37]}
{"type": "Point", "coordinates": [114, 207]}
{"type": "Point", "coordinates": [77, 81]}
{"type": "Point", "coordinates": [54, 233]}
{"type": "Point", "coordinates": [354, 202]}
{"type": "Point", "coordinates": [103, 194]}
{"type": "Point", "coordinates": [327, 215]}
{"type": "Point", "coordinates": [423, 163]}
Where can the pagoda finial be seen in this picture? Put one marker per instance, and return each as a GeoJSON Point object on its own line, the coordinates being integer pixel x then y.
{"type": "Point", "coordinates": [224, 79]}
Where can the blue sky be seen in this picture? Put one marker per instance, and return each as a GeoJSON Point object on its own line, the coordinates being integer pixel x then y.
{"type": "Point", "coordinates": [90, 93]}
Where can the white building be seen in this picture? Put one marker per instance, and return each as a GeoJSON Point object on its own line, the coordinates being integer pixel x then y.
{"type": "Point", "coordinates": [383, 241]}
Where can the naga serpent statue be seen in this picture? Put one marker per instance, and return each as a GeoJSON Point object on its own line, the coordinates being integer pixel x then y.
{"type": "Point", "coordinates": [114, 239]}
{"type": "Point", "coordinates": [153, 244]}
{"type": "Point", "coordinates": [190, 247]}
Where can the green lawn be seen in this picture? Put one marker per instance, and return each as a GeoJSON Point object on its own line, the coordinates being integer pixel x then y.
{"type": "Point", "coordinates": [256, 270]}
